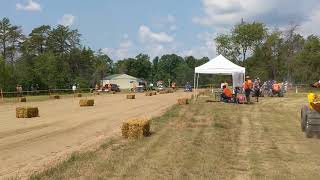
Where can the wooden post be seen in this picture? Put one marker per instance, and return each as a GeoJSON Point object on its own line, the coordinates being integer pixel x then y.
{"type": "Point", "coordinates": [2, 95]}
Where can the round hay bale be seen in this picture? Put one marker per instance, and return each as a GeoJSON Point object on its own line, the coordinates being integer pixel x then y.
{"type": "Point", "coordinates": [27, 112]}
{"type": "Point", "coordinates": [86, 102]}
{"type": "Point", "coordinates": [131, 96]}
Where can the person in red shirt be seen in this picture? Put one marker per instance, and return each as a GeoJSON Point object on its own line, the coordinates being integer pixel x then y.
{"type": "Point", "coordinates": [226, 95]}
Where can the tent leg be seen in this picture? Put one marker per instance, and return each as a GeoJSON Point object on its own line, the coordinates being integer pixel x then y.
{"type": "Point", "coordinates": [197, 84]}
{"type": "Point", "coordinates": [194, 87]}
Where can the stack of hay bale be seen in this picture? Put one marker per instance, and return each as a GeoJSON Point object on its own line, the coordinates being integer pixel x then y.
{"type": "Point", "coordinates": [149, 94]}
{"type": "Point", "coordinates": [135, 128]}
{"type": "Point", "coordinates": [86, 102]}
{"type": "Point", "coordinates": [23, 99]}
{"type": "Point", "coordinates": [27, 112]}
{"type": "Point", "coordinates": [183, 101]}
{"type": "Point", "coordinates": [131, 96]}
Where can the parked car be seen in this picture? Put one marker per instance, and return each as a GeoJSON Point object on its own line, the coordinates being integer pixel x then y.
{"type": "Point", "coordinates": [114, 87]}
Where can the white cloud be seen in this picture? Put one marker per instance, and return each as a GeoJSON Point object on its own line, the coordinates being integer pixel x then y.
{"type": "Point", "coordinates": [274, 12]}
{"type": "Point", "coordinates": [207, 47]}
{"type": "Point", "coordinates": [312, 25]}
{"type": "Point", "coordinates": [123, 51]}
{"type": "Point", "coordinates": [29, 6]}
{"type": "Point", "coordinates": [228, 12]}
{"type": "Point", "coordinates": [146, 35]}
{"type": "Point", "coordinates": [167, 22]}
{"type": "Point", "coordinates": [67, 20]}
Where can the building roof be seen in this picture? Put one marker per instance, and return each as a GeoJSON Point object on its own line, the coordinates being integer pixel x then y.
{"type": "Point", "coordinates": [111, 76]}
{"type": "Point", "coordinates": [121, 76]}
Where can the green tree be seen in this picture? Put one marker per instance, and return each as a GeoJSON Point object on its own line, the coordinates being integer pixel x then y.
{"type": "Point", "coordinates": [62, 39]}
{"type": "Point", "coordinates": [36, 43]}
{"type": "Point", "coordinates": [247, 36]}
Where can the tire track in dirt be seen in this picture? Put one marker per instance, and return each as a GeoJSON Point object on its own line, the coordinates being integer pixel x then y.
{"type": "Point", "coordinates": [45, 142]}
{"type": "Point", "coordinates": [244, 148]}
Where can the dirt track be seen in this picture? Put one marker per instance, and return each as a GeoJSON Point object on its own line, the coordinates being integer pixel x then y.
{"type": "Point", "coordinates": [63, 127]}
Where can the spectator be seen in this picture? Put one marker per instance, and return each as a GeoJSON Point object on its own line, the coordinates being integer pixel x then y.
{"type": "Point", "coordinates": [226, 95]}
{"type": "Point", "coordinates": [248, 88]}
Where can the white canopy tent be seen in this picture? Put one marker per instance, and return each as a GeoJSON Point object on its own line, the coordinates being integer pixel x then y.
{"type": "Point", "coordinates": [220, 65]}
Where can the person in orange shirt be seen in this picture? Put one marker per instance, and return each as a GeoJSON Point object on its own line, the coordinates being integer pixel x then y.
{"type": "Point", "coordinates": [248, 85]}
{"type": "Point", "coordinates": [226, 95]}
{"type": "Point", "coordinates": [276, 88]}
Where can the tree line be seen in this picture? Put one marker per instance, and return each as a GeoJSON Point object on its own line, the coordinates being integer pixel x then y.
{"type": "Point", "coordinates": [53, 57]}
{"type": "Point", "coordinates": [283, 55]}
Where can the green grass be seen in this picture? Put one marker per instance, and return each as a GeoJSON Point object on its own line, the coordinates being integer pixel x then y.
{"type": "Point", "coordinates": [206, 141]}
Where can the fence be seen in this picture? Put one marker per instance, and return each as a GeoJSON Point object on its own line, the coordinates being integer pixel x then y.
{"type": "Point", "coordinates": [48, 92]}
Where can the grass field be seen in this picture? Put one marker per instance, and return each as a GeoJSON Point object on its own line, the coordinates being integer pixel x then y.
{"type": "Point", "coordinates": [207, 141]}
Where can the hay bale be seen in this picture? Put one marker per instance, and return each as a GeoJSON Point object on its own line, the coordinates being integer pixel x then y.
{"type": "Point", "coordinates": [112, 92]}
{"type": "Point", "coordinates": [148, 93]}
{"type": "Point", "coordinates": [183, 101]}
{"type": "Point", "coordinates": [131, 96]}
{"type": "Point", "coordinates": [154, 93]}
{"type": "Point", "coordinates": [55, 97]}
{"type": "Point", "coordinates": [23, 99]}
{"type": "Point", "coordinates": [96, 93]}
{"type": "Point", "coordinates": [135, 128]}
{"type": "Point", "coordinates": [163, 92]}
{"type": "Point", "coordinates": [79, 95]}
{"type": "Point", "coordinates": [27, 112]}
{"type": "Point", "coordinates": [86, 102]}
{"type": "Point", "coordinates": [169, 90]}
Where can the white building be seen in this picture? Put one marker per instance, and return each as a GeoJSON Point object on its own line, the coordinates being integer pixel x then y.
{"type": "Point", "coordinates": [124, 81]}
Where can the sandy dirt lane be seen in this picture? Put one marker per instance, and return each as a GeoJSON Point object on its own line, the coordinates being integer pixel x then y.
{"type": "Point", "coordinates": [63, 127]}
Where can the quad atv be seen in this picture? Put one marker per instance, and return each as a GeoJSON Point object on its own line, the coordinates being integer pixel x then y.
{"type": "Point", "coordinates": [310, 121]}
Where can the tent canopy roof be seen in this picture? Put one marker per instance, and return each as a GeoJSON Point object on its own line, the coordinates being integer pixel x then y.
{"type": "Point", "coordinates": [219, 65]}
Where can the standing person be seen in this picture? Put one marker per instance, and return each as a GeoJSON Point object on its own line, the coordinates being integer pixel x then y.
{"type": "Point", "coordinates": [248, 88]}
{"type": "Point", "coordinates": [109, 87]}
{"type": "Point", "coordinates": [97, 87]}
{"type": "Point", "coordinates": [74, 88]}
{"type": "Point", "coordinates": [134, 86]}
{"type": "Point", "coordinates": [256, 87]}
{"type": "Point", "coordinates": [173, 85]}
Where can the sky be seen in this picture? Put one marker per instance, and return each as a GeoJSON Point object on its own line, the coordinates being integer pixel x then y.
{"type": "Point", "coordinates": [125, 28]}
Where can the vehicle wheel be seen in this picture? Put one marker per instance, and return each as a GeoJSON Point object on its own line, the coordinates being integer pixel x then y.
{"type": "Point", "coordinates": [309, 133]}
{"type": "Point", "coordinates": [303, 119]}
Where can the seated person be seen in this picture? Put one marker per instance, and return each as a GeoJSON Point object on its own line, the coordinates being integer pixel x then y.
{"type": "Point", "coordinates": [276, 88]}
{"type": "Point", "coordinates": [226, 95]}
